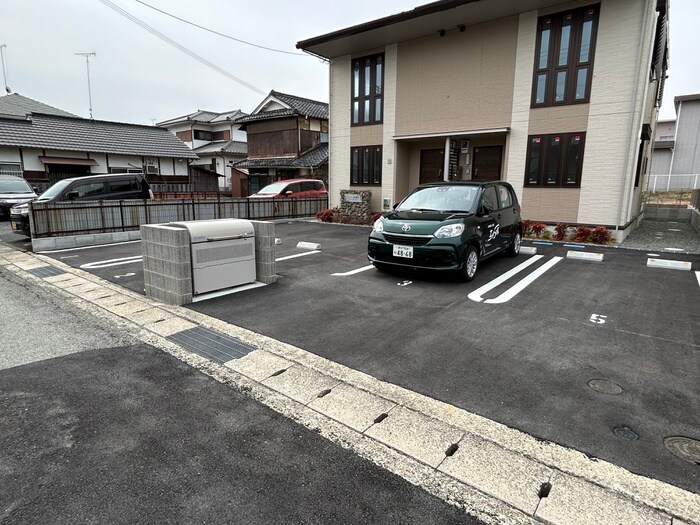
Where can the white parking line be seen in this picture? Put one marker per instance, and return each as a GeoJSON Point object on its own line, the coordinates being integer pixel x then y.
{"type": "Point", "coordinates": [524, 283]}
{"type": "Point", "coordinates": [353, 272]}
{"type": "Point", "coordinates": [297, 255]}
{"type": "Point", "coordinates": [111, 262]}
{"type": "Point", "coordinates": [476, 294]}
{"type": "Point", "coordinates": [697, 274]}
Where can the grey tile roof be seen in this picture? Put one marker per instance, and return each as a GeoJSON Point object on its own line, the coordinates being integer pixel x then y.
{"type": "Point", "coordinates": [311, 158]}
{"type": "Point", "coordinates": [21, 106]}
{"type": "Point", "coordinates": [303, 107]}
{"type": "Point", "coordinates": [204, 116]}
{"type": "Point", "coordinates": [314, 157]}
{"type": "Point", "coordinates": [224, 146]}
{"type": "Point", "coordinates": [78, 134]}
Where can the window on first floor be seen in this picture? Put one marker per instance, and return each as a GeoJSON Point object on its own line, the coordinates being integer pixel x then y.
{"type": "Point", "coordinates": [555, 160]}
{"type": "Point", "coordinates": [366, 166]}
{"type": "Point", "coordinates": [11, 168]}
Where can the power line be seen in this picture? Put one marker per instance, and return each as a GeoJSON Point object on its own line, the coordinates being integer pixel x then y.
{"type": "Point", "coordinates": [222, 34]}
{"type": "Point", "coordinates": [182, 48]}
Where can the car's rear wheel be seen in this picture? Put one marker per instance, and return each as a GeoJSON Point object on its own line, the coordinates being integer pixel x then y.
{"type": "Point", "coordinates": [471, 264]}
{"type": "Point", "coordinates": [514, 248]}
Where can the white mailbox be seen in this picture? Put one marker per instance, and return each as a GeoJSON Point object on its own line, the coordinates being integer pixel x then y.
{"type": "Point", "coordinates": [223, 253]}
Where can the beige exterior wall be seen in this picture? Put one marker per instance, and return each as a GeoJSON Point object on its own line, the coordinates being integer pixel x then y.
{"type": "Point", "coordinates": [339, 129]}
{"type": "Point", "coordinates": [614, 120]}
{"type": "Point", "coordinates": [550, 204]}
{"type": "Point", "coordinates": [462, 81]}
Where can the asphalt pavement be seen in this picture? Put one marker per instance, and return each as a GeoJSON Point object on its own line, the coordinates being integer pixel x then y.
{"type": "Point", "coordinates": [99, 429]}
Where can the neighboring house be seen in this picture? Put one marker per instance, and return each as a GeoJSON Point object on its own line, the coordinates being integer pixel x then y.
{"type": "Point", "coordinates": [558, 98]}
{"type": "Point", "coordinates": [44, 144]}
{"type": "Point", "coordinates": [676, 160]}
{"type": "Point", "coordinates": [217, 139]}
{"type": "Point", "coordinates": [287, 139]}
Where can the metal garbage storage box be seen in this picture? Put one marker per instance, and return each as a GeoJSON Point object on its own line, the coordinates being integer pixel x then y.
{"type": "Point", "coordinates": [223, 253]}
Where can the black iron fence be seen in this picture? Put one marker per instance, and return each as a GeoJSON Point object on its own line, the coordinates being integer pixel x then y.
{"type": "Point", "coordinates": [91, 217]}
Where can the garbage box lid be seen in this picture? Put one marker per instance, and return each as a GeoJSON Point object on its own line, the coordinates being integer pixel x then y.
{"type": "Point", "coordinates": [216, 229]}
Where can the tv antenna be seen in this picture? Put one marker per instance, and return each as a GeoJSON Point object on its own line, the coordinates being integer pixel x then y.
{"type": "Point", "coordinates": [87, 65]}
{"type": "Point", "coordinates": [4, 70]}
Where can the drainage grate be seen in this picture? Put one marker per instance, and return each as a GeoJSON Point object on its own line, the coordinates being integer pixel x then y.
{"type": "Point", "coordinates": [211, 344]}
{"type": "Point", "coordinates": [683, 447]}
{"type": "Point", "coordinates": [46, 271]}
{"type": "Point", "coordinates": [604, 386]}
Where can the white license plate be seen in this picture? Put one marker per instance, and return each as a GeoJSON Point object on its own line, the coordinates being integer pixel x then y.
{"type": "Point", "coordinates": [403, 251]}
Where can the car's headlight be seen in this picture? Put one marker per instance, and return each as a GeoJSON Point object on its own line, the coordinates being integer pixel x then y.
{"type": "Point", "coordinates": [20, 209]}
{"type": "Point", "coordinates": [378, 226]}
{"type": "Point", "coordinates": [450, 230]}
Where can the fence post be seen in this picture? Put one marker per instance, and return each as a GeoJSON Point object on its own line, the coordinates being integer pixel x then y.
{"type": "Point", "coordinates": [121, 213]}
{"type": "Point", "coordinates": [668, 184]}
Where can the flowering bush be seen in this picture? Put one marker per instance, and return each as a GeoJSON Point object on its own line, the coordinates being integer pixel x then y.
{"type": "Point", "coordinates": [527, 227]}
{"type": "Point", "coordinates": [326, 215]}
{"type": "Point", "coordinates": [560, 231]}
{"type": "Point", "coordinates": [582, 234]}
{"type": "Point", "coordinates": [538, 228]}
{"type": "Point", "coordinates": [601, 235]}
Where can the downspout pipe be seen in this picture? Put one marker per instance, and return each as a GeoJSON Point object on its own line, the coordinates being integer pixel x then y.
{"type": "Point", "coordinates": [633, 103]}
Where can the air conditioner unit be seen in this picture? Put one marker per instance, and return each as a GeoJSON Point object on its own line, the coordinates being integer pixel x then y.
{"type": "Point", "coordinates": [152, 170]}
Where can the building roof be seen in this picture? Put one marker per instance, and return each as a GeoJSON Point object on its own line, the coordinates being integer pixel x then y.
{"type": "Point", "coordinates": [424, 20]}
{"type": "Point", "coordinates": [21, 106]}
{"type": "Point", "coordinates": [233, 147]}
{"type": "Point", "coordinates": [311, 158]}
{"type": "Point", "coordinates": [204, 116]}
{"type": "Point", "coordinates": [44, 131]}
{"type": "Point", "coordinates": [292, 106]}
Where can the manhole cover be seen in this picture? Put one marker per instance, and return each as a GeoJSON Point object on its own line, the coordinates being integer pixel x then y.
{"type": "Point", "coordinates": [685, 448]}
{"type": "Point", "coordinates": [605, 387]}
{"type": "Point", "coordinates": [626, 433]}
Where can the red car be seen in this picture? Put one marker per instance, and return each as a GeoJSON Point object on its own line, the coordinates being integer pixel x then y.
{"type": "Point", "coordinates": [292, 188]}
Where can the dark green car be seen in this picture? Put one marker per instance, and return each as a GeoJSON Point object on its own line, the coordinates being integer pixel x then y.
{"type": "Point", "coordinates": [448, 226]}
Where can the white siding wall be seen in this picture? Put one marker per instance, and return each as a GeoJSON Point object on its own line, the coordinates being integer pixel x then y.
{"type": "Point", "coordinates": [522, 89]}
{"type": "Point", "coordinates": [388, 143]}
{"type": "Point", "coordinates": [614, 120]}
{"type": "Point", "coordinates": [339, 130]}
{"type": "Point", "coordinates": [9, 155]}
{"type": "Point", "coordinates": [101, 160]}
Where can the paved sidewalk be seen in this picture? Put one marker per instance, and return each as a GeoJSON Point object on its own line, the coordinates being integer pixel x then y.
{"type": "Point", "coordinates": [494, 472]}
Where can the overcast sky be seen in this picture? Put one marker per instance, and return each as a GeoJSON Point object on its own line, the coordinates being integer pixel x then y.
{"type": "Point", "coordinates": [136, 77]}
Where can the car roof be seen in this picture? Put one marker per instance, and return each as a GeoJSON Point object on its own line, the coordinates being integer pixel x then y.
{"type": "Point", "coordinates": [286, 181]}
{"type": "Point", "coordinates": [103, 176]}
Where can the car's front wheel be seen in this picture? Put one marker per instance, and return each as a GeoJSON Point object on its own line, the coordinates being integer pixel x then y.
{"type": "Point", "coordinates": [514, 248]}
{"type": "Point", "coordinates": [471, 264]}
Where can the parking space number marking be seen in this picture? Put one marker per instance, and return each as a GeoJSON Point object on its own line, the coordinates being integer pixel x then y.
{"type": "Point", "coordinates": [598, 319]}
{"type": "Point", "coordinates": [404, 283]}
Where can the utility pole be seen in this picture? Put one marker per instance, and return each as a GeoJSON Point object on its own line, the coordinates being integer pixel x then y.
{"type": "Point", "coordinates": [4, 70]}
{"type": "Point", "coordinates": [87, 65]}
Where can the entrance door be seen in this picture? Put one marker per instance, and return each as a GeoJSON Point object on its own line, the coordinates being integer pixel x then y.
{"type": "Point", "coordinates": [487, 162]}
{"type": "Point", "coordinates": [432, 164]}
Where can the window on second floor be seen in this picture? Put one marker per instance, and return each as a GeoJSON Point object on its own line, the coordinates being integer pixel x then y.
{"type": "Point", "coordinates": [367, 90]}
{"type": "Point", "coordinates": [200, 134]}
{"type": "Point", "coordinates": [564, 57]}
{"type": "Point", "coordinates": [555, 161]}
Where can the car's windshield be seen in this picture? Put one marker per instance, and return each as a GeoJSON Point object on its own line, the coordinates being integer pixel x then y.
{"type": "Point", "coordinates": [446, 199]}
{"type": "Point", "coordinates": [54, 190]}
{"type": "Point", "coordinates": [15, 186]}
{"type": "Point", "coordinates": [276, 187]}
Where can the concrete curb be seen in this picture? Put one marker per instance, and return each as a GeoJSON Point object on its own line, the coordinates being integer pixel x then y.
{"type": "Point", "coordinates": [496, 473]}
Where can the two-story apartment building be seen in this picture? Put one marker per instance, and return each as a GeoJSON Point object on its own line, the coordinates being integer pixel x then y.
{"type": "Point", "coordinates": [217, 140]}
{"type": "Point", "coordinates": [557, 98]}
{"type": "Point", "coordinates": [287, 139]}
{"type": "Point", "coordinates": [44, 144]}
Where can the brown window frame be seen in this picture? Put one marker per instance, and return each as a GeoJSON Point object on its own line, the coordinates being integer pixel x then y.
{"type": "Point", "coordinates": [375, 98]}
{"type": "Point", "coordinates": [372, 176]}
{"type": "Point", "coordinates": [563, 162]}
{"type": "Point", "coordinates": [573, 65]}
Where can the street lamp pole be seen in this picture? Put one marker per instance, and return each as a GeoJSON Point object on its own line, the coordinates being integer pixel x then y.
{"type": "Point", "coordinates": [87, 65]}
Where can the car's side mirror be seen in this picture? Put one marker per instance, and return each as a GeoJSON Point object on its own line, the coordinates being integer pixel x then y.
{"type": "Point", "coordinates": [72, 195]}
{"type": "Point", "coordinates": [484, 210]}
{"type": "Point", "coordinates": [35, 189]}
{"type": "Point", "coordinates": [395, 205]}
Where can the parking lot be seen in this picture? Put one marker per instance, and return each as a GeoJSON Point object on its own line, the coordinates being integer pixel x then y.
{"type": "Point", "coordinates": [519, 345]}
